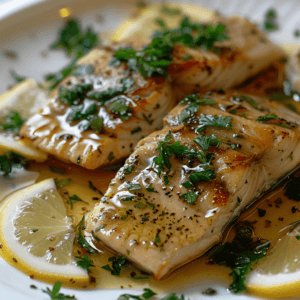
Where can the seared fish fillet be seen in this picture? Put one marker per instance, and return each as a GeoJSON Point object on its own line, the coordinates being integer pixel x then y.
{"type": "Point", "coordinates": [184, 183]}
{"type": "Point", "coordinates": [65, 127]}
{"type": "Point", "coordinates": [246, 52]}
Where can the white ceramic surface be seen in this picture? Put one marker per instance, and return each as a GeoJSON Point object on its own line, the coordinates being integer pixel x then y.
{"type": "Point", "coordinates": [30, 28]}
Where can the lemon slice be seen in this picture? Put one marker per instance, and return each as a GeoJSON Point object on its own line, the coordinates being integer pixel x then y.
{"type": "Point", "coordinates": [37, 236]}
{"type": "Point", "coordinates": [26, 98]}
{"type": "Point", "coordinates": [145, 23]}
{"type": "Point", "coordinates": [278, 274]}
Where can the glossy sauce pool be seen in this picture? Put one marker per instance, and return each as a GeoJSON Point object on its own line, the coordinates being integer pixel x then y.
{"type": "Point", "coordinates": [272, 213]}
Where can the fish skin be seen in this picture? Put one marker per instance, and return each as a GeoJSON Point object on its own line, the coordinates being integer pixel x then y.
{"type": "Point", "coordinates": [186, 231]}
{"type": "Point", "coordinates": [51, 131]}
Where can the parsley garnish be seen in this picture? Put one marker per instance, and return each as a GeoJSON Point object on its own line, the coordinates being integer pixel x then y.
{"type": "Point", "coordinates": [74, 198]}
{"type": "Point", "coordinates": [97, 123]}
{"type": "Point", "coordinates": [266, 118]}
{"type": "Point", "coordinates": [128, 169]}
{"type": "Point", "coordinates": [218, 121]}
{"type": "Point", "coordinates": [270, 22]}
{"type": "Point", "coordinates": [133, 186]}
{"type": "Point", "coordinates": [17, 77]}
{"type": "Point", "coordinates": [54, 294]}
{"type": "Point", "coordinates": [190, 197]}
{"type": "Point", "coordinates": [81, 240]}
{"type": "Point", "coordinates": [120, 109]}
{"type": "Point", "coordinates": [10, 160]}
{"type": "Point", "coordinates": [156, 57]}
{"type": "Point", "coordinates": [138, 129]}
{"type": "Point", "coordinates": [206, 141]}
{"type": "Point", "coordinates": [240, 254]}
{"type": "Point", "coordinates": [146, 295]}
{"type": "Point", "coordinates": [74, 94]}
{"type": "Point", "coordinates": [170, 11]}
{"type": "Point", "coordinates": [117, 265]}
{"type": "Point", "coordinates": [74, 41]}
{"type": "Point", "coordinates": [57, 170]}
{"type": "Point", "coordinates": [84, 262]}
{"type": "Point", "coordinates": [12, 122]}
{"type": "Point", "coordinates": [140, 205]}
{"type": "Point", "coordinates": [62, 182]}
{"type": "Point", "coordinates": [284, 125]}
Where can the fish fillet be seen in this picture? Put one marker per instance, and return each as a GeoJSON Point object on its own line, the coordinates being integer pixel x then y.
{"type": "Point", "coordinates": [161, 219]}
{"type": "Point", "coordinates": [148, 101]}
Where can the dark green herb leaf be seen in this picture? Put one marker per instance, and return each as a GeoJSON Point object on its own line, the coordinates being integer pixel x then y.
{"type": "Point", "coordinates": [84, 262]}
{"type": "Point", "coordinates": [111, 156]}
{"type": "Point", "coordinates": [297, 237]}
{"type": "Point", "coordinates": [97, 124]}
{"type": "Point", "coordinates": [117, 265]}
{"type": "Point", "coordinates": [170, 11]}
{"type": "Point", "coordinates": [284, 125]}
{"type": "Point", "coordinates": [12, 122]}
{"type": "Point", "coordinates": [190, 197]}
{"type": "Point", "coordinates": [62, 182]}
{"type": "Point", "coordinates": [251, 101]}
{"type": "Point", "coordinates": [120, 109]}
{"type": "Point", "coordinates": [134, 186]}
{"type": "Point", "coordinates": [146, 295]}
{"type": "Point", "coordinates": [270, 22]}
{"type": "Point", "coordinates": [138, 129]}
{"type": "Point", "coordinates": [140, 205]}
{"type": "Point", "coordinates": [10, 160]}
{"type": "Point", "coordinates": [16, 77]}
{"type": "Point", "coordinates": [266, 118]}
{"type": "Point", "coordinates": [218, 121]}
{"type": "Point", "coordinates": [81, 240]}
{"type": "Point", "coordinates": [157, 239]}
{"type": "Point", "coordinates": [74, 198]}
{"type": "Point", "coordinates": [206, 175]}
{"type": "Point", "coordinates": [150, 188]}
{"type": "Point", "coordinates": [74, 94]}
{"type": "Point", "coordinates": [74, 41]}
{"type": "Point", "coordinates": [99, 227]}
{"type": "Point", "coordinates": [54, 294]}
{"type": "Point", "coordinates": [57, 170]}
{"type": "Point", "coordinates": [206, 141]}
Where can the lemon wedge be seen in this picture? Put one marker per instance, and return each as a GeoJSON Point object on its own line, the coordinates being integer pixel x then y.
{"type": "Point", "coordinates": [145, 23]}
{"type": "Point", "coordinates": [37, 236]}
{"type": "Point", "coordinates": [278, 274]}
{"type": "Point", "coordinates": [26, 98]}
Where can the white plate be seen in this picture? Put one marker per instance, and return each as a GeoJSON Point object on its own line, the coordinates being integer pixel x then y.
{"type": "Point", "coordinates": [28, 30]}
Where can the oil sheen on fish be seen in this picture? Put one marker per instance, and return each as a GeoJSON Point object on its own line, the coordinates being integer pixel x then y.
{"type": "Point", "coordinates": [245, 52]}
{"type": "Point", "coordinates": [97, 118]}
{"type": "Point", "coordinates": [216, 154]}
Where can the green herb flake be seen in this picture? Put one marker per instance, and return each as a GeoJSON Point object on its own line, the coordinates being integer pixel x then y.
{"type": "Point", "coordinates": [150, 188]}
{"type": "Point", "coordinates": [270, 22]}
{"type": "Point", "coordinates": [57, 170]}
{"type": "Point", "coordinates": [140, 205]}
{"type": "Point", "coordinates": [74, 198]}
{"type": "Point", "coordinates": [284, 125]}
{"type": "Point", "coordinates": [146, 295]}
{"type": "Point", "coordinates": [120, 109]}
{"type": "Point", "coordinates": [12, 122]}
{"type": "Point", "coordinates": [62, 183]}
{"type": "Point", "coordinates": [117, 265]}
{"type": "Point", "coordinates": [111, 156]}
{"type": "Point", "coordinates": [74, 41]}
{"type": "Point", "coordinates": [157, 239]}
{"type": "Point", "coordinates": [34, 230]}
{"type": "Point", "coordinates": [134, 186]}
{"type": "Point", "coordinates": [138, 129]}
{"type": "Point", "coordinates": [150, 204]}
{"type": "Point", "coordinates": [266, 118]}
{"type": "Point", "coordinates": [17, 77]}
{"type": "Point", "coordinates": [170, 11]}
{"type": "Point", "coordinates": [291, 157]}
{"type": "Point", "coordinates": [190, 197]}
{"type": "Point", "coordinates": [214, 121]}
{"type": "Point", "coordinates": [207, 141]}
{"type": "Point", "coordinates": [297, 33]}
{"type": "Point", "coordinates": [81, 240]}
{"type": "Point", "coordinates": [54, 294]}
{"type": "Point", "coordinates": [297, 237]}
{"type": "Point", "coordinates": [97, 123]}
{"type": "Point", "coordinates": [10, 160]}
{"type": "Point", "coordinates": [99, 227]}
{"type": "Point", "coordinates": [128, 170]}
{"type": "Point", "coordinates": [84, 262]}
{"type": "Point", "coordinates": [186, 57]}
{"type": "Point", "coordinates": [150, 122]}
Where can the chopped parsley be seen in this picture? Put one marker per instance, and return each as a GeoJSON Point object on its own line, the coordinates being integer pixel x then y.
{"type": "Point", "coordinates": [111, 156]}
{"type": "Point", "coordinates": [74, 198]}
{"type": "Point", "coordinates": [206, 141]}
{"type": "Point", "coordinates": [97, 123]}
{"type": "Point", "coordinates": [140, 205]}
{"type": "Point", "coordinates": [99, 227]}
{"type": "Point", "coordinates": [128, 169]}
{"type": "Point", "coordinates": [216, 121]}
{"type": "Point", "coordinates": [133, 186]}
{"type": "Point", "coordinates": [156, 57]}
{"type": "Point", "coordinates": [297, 237]}
{"type": "Point", "coordinates": [270, 22]}
{"type": "Point", "coordinates": [297, 33]}
{"type": "Point", "coordinates": [266, 118]}
{"type": "Point", "coordinates": [150, 188]}
{"type": "Point", "coordinates": [57, 170]}
{"type": "Point", "coordinates": [117, 265]}
{"type": "Point", "coordinates": [138, 129]}
{"type": "Point", "coordinates": [284, 125]}
{"type": "Point", "coordinates": [10, 160]}
{"type": "Point", "coordinates": [85, 262]}
{"type": "Point", "coordinates": [62, 182]}
{"type": "Point", "coordinates": [240, 254]}
{"type": "Point", "coordinates": [146, 295]}
{"type": "Point", "coordinates": [190, 197]}
{"type": "Point", "coordinates": [17, 77]}
{"type": "Point", "coordinates": [170, 11]}
{"type": "Point", "coordinates": [12, 122]}
{"type": "Point", "coordinates": [54, 294]}
{"type": "Point", "coordinates": [81, 240]}
{"type": "Point", "coordinates": [74, 41]}
{"type": "Point", "coordinates": [120, 109]}
{"type": "Point", "coordinates": [74, 94]}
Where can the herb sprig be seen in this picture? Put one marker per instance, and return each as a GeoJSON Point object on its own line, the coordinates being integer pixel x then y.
{"type": "Point", "coordinates": [118, 263]}
{"type": "Point", "coordinates": [10, 160]}
{"type": "Point", "coordinates": [54, 294]}
{"type": "Point", "coordinates": [12, 122]}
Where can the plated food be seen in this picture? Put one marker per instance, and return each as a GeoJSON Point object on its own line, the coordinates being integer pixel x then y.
{"type": "Point", "coordinates": [199, 150]}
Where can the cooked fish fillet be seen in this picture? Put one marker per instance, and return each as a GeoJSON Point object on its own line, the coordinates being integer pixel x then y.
{"type": "Point", "coordinates": [293, 71]}
{"type": "Point", "coordinates": [162, 222]}
{"type": "Point", "coordinates": [54, 131]}
{"type": "Point", "coordinates": [246, 52]}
